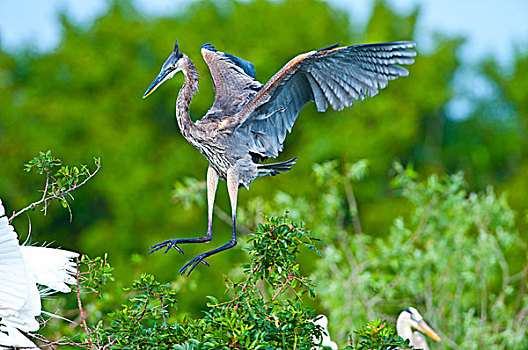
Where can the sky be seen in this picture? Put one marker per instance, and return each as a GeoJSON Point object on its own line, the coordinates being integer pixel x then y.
{"type": "Point", "coordinates": [492, 28]}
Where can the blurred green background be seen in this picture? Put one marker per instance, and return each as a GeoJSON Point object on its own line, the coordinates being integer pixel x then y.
{"type": "Point", "coordinates": [83, 99]}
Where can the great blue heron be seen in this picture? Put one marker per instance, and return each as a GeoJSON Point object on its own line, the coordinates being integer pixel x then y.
{"type": "Point", "coordinates": [410, 319]}
{"type": "Point", "coordinates": [248, 121]}
{"type": "Point", "coordinates": [21, 269]}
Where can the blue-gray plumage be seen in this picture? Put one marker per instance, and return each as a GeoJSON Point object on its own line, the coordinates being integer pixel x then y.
{"type": "Point", "coordinates": [248, 121]}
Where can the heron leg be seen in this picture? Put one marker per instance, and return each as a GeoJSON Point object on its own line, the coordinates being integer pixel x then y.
{"type": "Point", "coordinates": [212, 183]}
{"type": "Point", "coordinates": [232, 187]}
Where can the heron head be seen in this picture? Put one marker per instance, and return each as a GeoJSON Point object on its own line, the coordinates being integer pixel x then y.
{"type": "Point", "coordinates": [171, 66]}
{"type": "Point", "coordinates": [415, 320]}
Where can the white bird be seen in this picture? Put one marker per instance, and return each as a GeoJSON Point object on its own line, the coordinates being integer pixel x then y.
{"type": "Point", "coordinates": [326, 342]}
{"type": "Point", "coordinates": [21, 269]}
{"type": "Point", "coordinates": [410, 319]}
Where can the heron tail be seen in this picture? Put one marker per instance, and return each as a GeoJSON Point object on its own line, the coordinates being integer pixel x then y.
{"type": "Point", "coordinates": [275, 168]}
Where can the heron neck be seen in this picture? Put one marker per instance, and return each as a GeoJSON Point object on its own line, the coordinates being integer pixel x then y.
{"type": "Point", "coordinates": [189, 88]}
{"type": "Point", "coordinates": [403, 328]}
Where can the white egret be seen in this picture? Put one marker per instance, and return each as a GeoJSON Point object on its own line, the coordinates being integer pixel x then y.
{"type": "Point", "coordinates": [411, 319]}
{"type": "Point", "coordinates": [322, 321]}
{"type": "Point", "coordinates": [21, 269]}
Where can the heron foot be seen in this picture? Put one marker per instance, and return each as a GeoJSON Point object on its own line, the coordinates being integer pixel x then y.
{"type": "Point", "coordinates": [195, 261]}
{"type": "Point", "coordinates": [171, 243]}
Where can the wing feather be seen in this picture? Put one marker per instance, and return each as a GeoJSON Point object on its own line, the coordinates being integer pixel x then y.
{"type": "Point", "coordinates": [320, 100]}
{"type": "Point", "coordinates": [19, 296]}
{"type": "Point", "coordinates": [53, 268]}
{"type": "Point", "coordinates": [335, 76]}
{"type": "Point", "coordinates": [14, 287]}
{"type": "Point", "coordinates": [233, 79]}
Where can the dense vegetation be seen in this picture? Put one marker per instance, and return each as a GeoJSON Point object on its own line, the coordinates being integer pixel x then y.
{"type": "Point", "coordinates": [451, 247]}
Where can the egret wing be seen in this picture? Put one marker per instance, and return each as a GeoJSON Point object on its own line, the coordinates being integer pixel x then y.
{"type": "Point", "coordinates": [233, 79]}
{"type": "Point", "coordinates": [11, 337]}
{"type": "Point", "coordinates": [335, 75]}
{"type": "Point", "coordinates": [53, 268]}
{"type": "Point", "coordinates": [13, 282]}
{"type": "Point", "coordinates": [19, 297]}
{"type": "Point", "coordinates": [24, 318]}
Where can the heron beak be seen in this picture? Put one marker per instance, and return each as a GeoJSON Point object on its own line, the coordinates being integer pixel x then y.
{"type": "Point", "coordinates": [427, 330]}
{"type": "Point", "coordinates": [160, 79]}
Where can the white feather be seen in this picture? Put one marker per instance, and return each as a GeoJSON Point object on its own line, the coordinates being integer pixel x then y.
{"type": "Point", "coordinates": [16, 291]}
{"type": "Point", "coordinates": [21, 268]}
{"type": "Point", "coordinates": [50, 267]}
{"type": "Point", "coordinates": [14, 338]}
{"type": "Point", "coordinates": [322, 321]}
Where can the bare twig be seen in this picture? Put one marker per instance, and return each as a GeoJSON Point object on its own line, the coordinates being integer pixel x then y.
{"type": "Point", "coordinates": [55, 342]}
{"type": "Point", "coordinates": [45, 199]}
{"type": "Point", "coordinates": [352, 203]}
{"type": "Point", "coordinates": [521, 294]}
{"type": "Point", "coordinates": [110, 343]}
{"type": "Point", "coordinates": [162, 308]}
{"type": "Point", "coordinates": [504, 266]}
{"type": "Point", "coordinates": [79, 304]}
{"type": "Point", "coordinates": [45, 191]}
{"type": "Point", "coordinates": [290, 278]}
{"type": "Point", "coordinates": [142, 311]}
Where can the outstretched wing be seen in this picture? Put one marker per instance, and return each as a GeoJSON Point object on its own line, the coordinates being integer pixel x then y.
{"type": "Point", "coordinates": [51, 267]}
{"type": "Point", "coordinates": [336, 75]}
{"type": "Point", "coordinates": [233, 79]}
{"type": "Point", "coordinates": [19, 296]}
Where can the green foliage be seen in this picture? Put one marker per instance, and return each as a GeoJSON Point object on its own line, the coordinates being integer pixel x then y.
{"type": "Point", "coordinates": [458, 256]}
{"type": "Point", "coordinates": [141, 323]}
{"type": "Point", "coordinates": [189, 192]}
{"type": "Point", "coordinates": [94, 274]}
{"type": "Point", "coordinates": [43, 163]}
{"type": "Point", "coordinates": [377, 335]}
{"type": "Point", "coordinates": [85, 98]}
{"type": "Point", "coordinates": [273, 248]}
{"type": "Point", "coordinates": [91, 88]}
{"type": "Point", "coordinates": [58, 185]}
{"type": "Point", "coordinates": [260, 318]}
{"type": "Point", "coordinates": [256, 314]}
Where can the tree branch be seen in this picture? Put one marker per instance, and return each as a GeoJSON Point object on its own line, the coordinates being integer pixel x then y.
{"type": "Point", "coordinates": [79, 304]}
{"type": "Point", "coordinates": [45, 198]}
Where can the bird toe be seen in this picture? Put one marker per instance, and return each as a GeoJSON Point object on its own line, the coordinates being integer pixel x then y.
{"type": "Point", "coordinates": [172, 243]}
{"type": "Point", "coordinates": [194, 262]}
